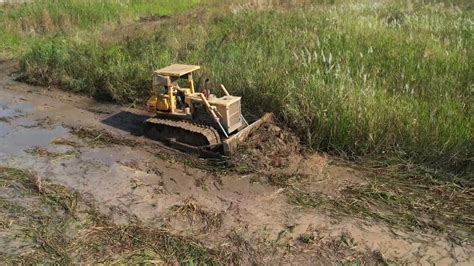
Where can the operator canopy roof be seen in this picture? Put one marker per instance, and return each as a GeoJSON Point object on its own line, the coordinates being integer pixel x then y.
{"type": "Point", "coordinates": [177, 70]}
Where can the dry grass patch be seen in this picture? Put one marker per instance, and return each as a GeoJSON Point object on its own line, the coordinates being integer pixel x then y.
{"type": "Point", "coordinates": [197, 215]}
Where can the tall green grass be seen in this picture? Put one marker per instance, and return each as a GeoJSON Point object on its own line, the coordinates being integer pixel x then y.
{"type": "Point", "coordinates": [20, 24]}
{"type": "Point", "coordinates": [365, 79]}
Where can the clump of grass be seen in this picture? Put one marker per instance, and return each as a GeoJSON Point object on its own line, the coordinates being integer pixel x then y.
{"type": "Point", "coordinates": [33, 215]}
{"type": "Point", "coordinates": [66, 142]}
{"type": "Point", "coordinates": [208, 220]}
{"type": "Point", "coordinates": [26, 179]}
{"type": "Point", "coordinates": [395, 83]}
{"type": "Point", "coordinates": [43, 152]}
{"type": "Point", "coordinates": [167, 246]}
{"type": "Point", "coordinates": [97, 137]}
{"type": "Point", "coordinates": [307, 238]}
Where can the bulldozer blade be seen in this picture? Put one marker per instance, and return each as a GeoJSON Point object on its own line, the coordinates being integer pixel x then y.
{"type": "Point", "coordinates": [230, 145]}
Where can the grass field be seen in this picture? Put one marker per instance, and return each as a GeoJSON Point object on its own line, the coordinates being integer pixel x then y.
{"type": "Point", "coordinates": [44, 19]}
{"type": "Point", "coordinates": [385, 80]}
{"type": "Point", "coordinates": [388, 84]}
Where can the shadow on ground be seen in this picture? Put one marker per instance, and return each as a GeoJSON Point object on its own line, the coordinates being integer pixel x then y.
{"type": "Point", "coordinates": [127, 121]}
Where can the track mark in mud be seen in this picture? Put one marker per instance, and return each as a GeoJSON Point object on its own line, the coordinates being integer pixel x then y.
{"type": "Point", "coordinates": [147, 167]}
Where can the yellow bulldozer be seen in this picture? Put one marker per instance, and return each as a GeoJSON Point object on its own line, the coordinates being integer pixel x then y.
{"type": "Point", "coordinates": [192, 121]}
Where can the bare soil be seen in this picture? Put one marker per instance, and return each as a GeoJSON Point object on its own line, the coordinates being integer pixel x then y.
{"type": "Point", "coordinates": [241, 206]}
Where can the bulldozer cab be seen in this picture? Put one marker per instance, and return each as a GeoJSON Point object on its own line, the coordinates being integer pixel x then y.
{"type": "Point", "coordinates": [169, 75]}
{"type": "Point", "coordinates": [168, 99]}
{"type": "Point", "coordinates": [167, 95]}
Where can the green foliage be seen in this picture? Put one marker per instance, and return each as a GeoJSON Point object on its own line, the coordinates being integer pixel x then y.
{"type": "Point", "coordinates": [396, 80]}
{"type": "Point", "coordinates": [45, 18]}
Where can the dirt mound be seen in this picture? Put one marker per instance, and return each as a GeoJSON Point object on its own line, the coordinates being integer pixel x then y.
{"type": "Point", "coordinates": [276, 156]}
{"type": "Point", "coordinates": [269, 148]}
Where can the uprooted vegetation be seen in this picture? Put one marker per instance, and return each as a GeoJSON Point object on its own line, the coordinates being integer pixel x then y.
{"type": "Point", "coordinates": [42, 152]}
{"type": "Point", "coordinates": [196, 214]}
{"type": "Point", "coordinates": [96, 137]}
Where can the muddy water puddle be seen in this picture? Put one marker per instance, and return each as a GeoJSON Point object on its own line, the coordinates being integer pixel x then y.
{"type": "Point", "coordinates": [14, 108]}
{"type": "Point", "coordinates": [18, 133]}
{"type": "Point", "coordinates": [14, 141]}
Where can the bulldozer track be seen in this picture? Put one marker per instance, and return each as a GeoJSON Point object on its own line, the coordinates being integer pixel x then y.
{"type": "Point", "coordinates": [167, 129]}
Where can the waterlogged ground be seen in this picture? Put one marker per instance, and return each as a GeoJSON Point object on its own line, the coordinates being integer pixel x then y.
{"type": "Point", "coordinates": [79, 184]}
